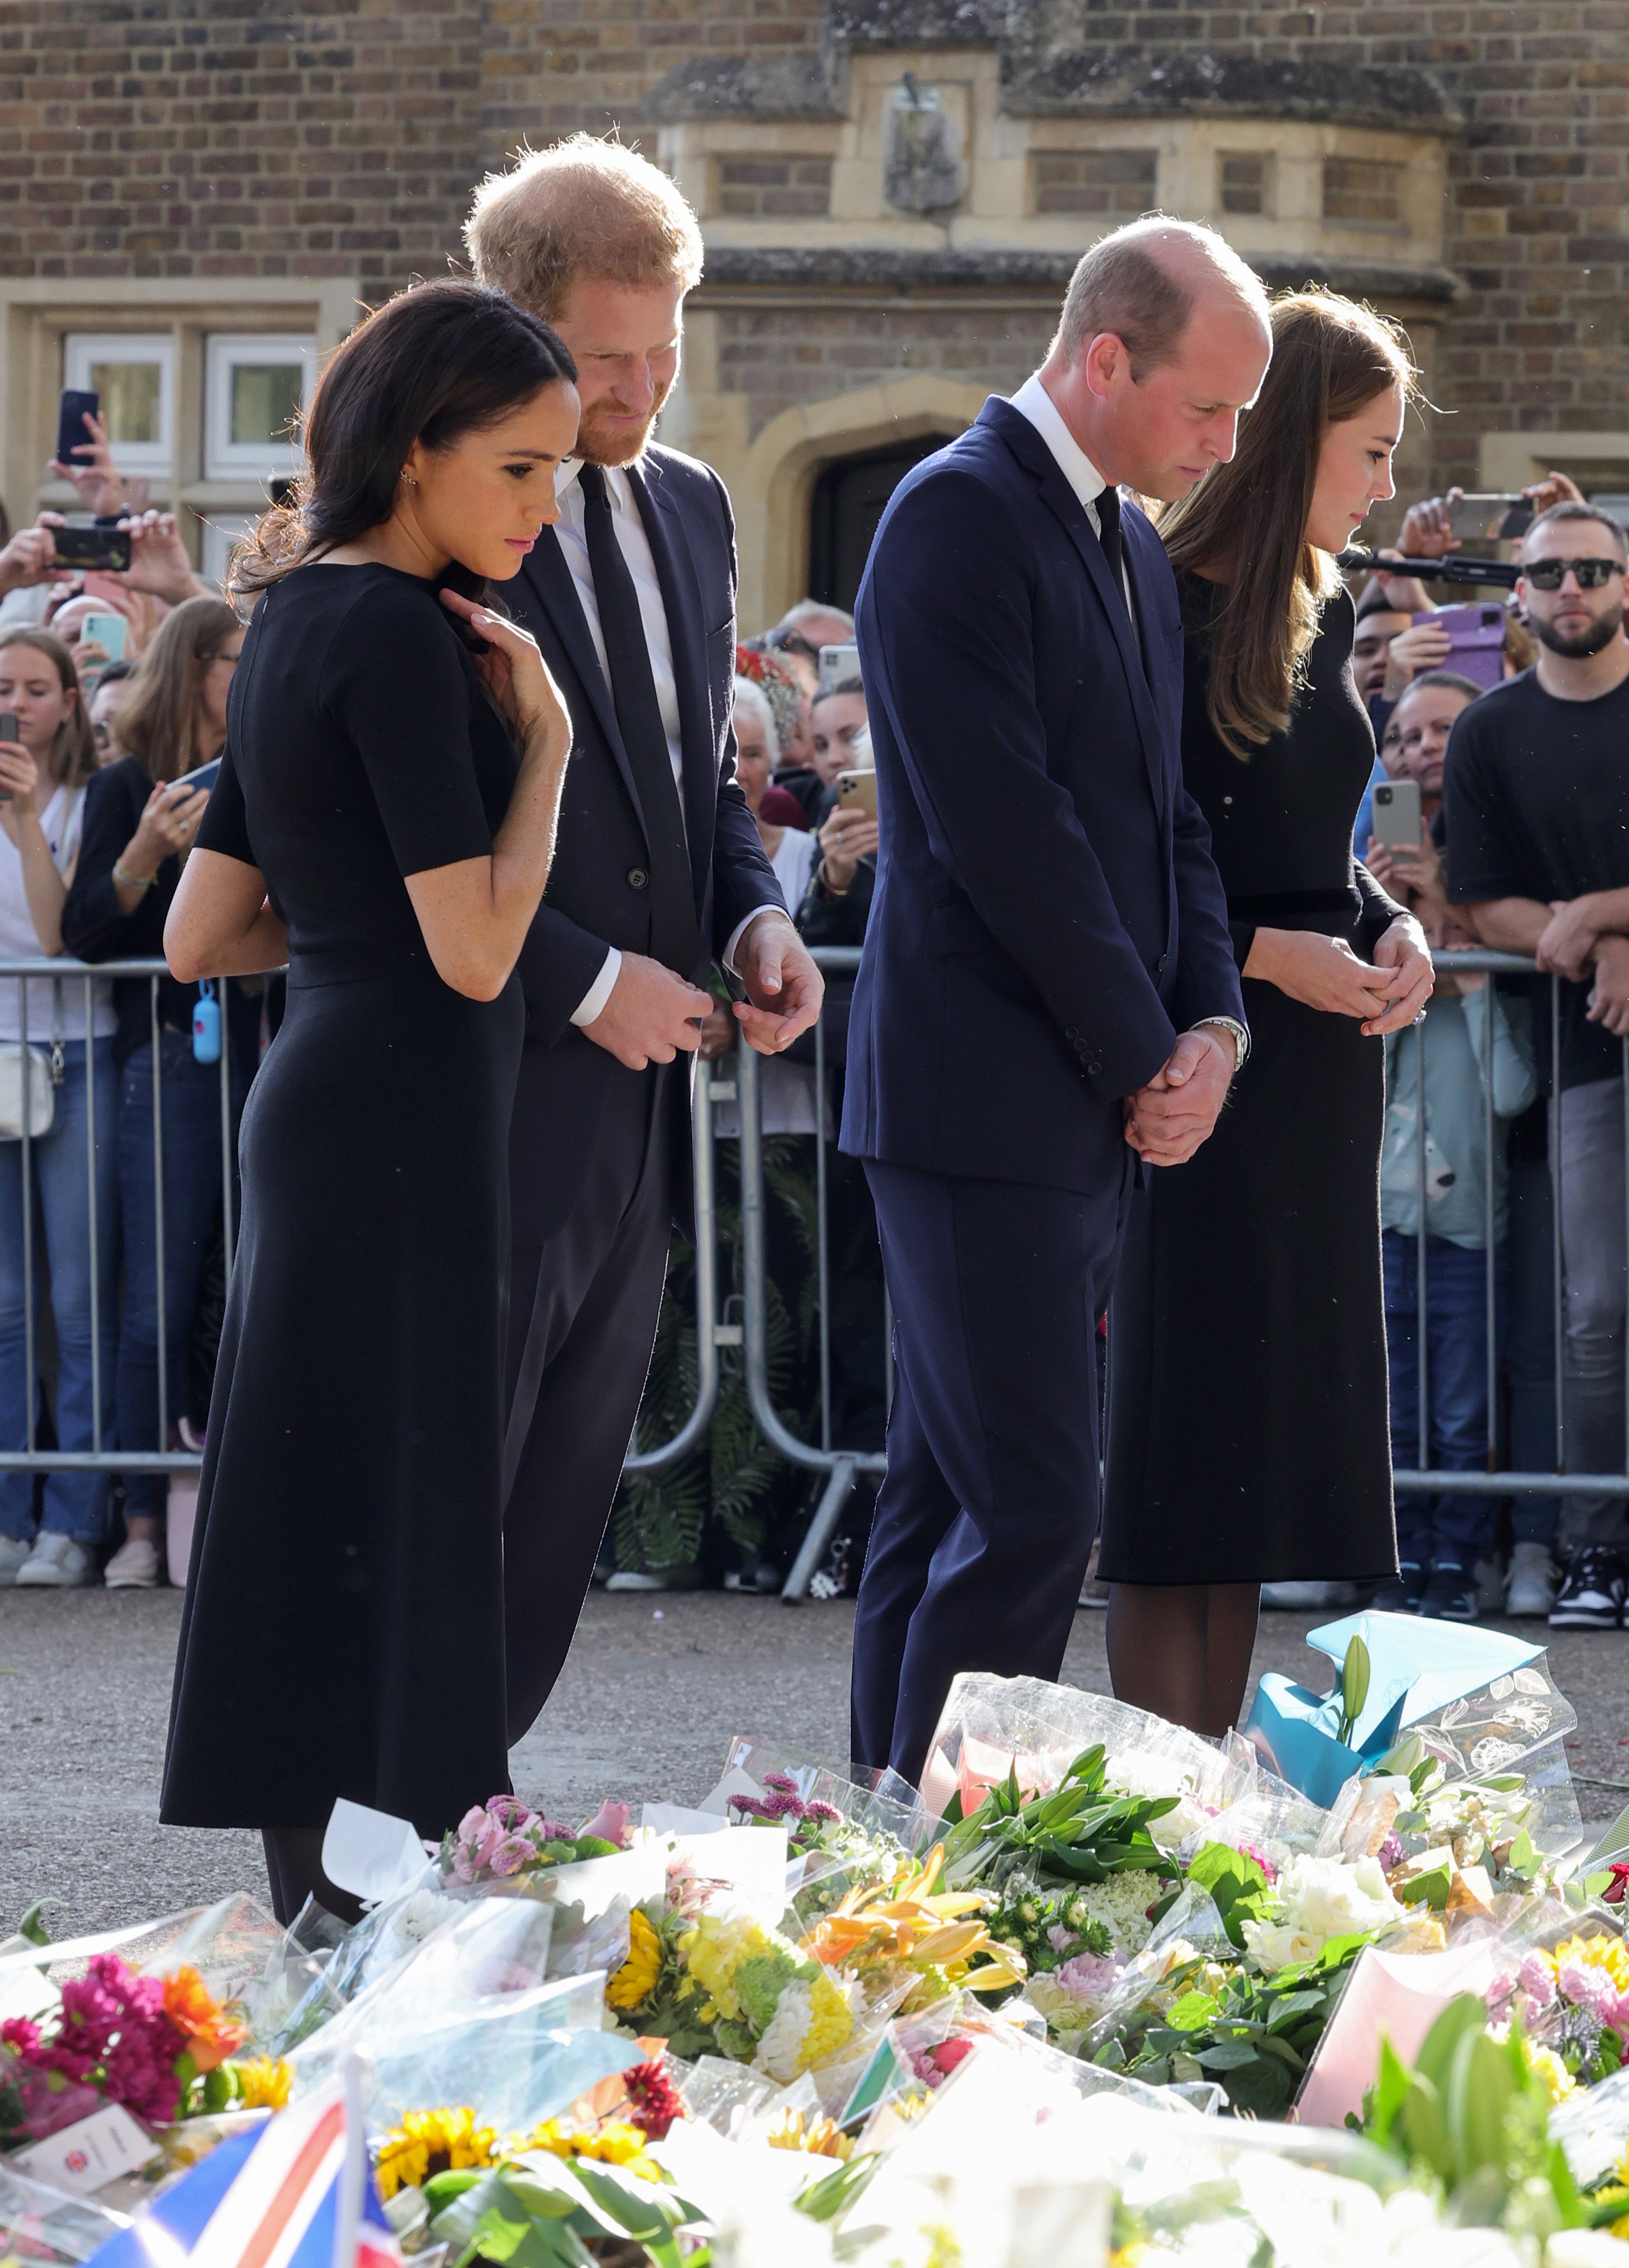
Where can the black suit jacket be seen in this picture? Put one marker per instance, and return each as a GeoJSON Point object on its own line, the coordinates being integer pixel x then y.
{"type": "Point", "coordinates": [1047, 916]}
{"type": "Point", "coordinates": [597, 893]}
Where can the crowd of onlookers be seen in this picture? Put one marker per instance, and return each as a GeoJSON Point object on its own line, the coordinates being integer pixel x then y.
{"type": "Point", "coordinates": [118, 678]}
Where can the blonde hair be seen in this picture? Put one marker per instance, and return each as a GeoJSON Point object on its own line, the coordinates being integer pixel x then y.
{"type": "Point", "coordinates": [582, 207]}
{"type": "Point", "coordinates": [1330, 358]}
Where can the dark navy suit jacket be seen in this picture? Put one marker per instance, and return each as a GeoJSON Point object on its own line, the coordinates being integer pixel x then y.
{"type": "Point", "coordinates": [599, 892]}
{"type": "Point", "coordinates": [1047, 916]}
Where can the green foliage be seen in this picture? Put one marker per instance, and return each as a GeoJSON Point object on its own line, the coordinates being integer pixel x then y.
{"type": "Point", "coordinates": [1254, 2035]}
{"type": "Point", "coordinates": [659, 1518]}
{"type": "Point", "coordinates": [1236, 1883]}
{"type": "Point", "coordinates": [1354, 1688]}
{"type": "Point", "coordinates": [1470, 2117]}
{"type": "Point", "coordinates": [537, 2214]}
{"type": "Point", "coordinates": [1077, 1834]}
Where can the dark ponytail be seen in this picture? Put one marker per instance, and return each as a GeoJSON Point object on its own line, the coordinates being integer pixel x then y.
{"type": "Point", "coordinates": [436, 362]}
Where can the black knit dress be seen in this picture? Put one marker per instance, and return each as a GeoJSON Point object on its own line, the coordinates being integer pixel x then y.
{"type": "Point", "coordinates": [343, 1631]}
{"type": "Point", "coordinates": [1248, 1438]}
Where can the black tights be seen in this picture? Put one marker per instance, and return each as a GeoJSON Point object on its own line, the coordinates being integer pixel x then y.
{"type": "Point", "coordinates": [294, 1870]}
{"type": "Point", "coordinates": [1183, 1650]}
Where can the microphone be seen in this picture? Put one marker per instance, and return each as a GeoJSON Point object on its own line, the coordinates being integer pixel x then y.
{"type": "Point", "coordinates": [1499, 574]}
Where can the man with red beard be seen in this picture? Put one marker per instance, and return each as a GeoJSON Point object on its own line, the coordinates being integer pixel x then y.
{"type": "Point", "coordinates": [658, 873]}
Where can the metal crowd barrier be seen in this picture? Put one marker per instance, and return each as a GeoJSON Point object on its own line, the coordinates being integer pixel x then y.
{"type": "Point", "coordinates": [64, 974]}
{"type": "Point", "coordinates": [737, 1079]}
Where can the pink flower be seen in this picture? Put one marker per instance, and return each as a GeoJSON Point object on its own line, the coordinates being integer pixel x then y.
{"type": "Point", "coordinates": [609, 1824]}
{"type": "Point", "coordinates": [782, 1780]}
{"type": "Point", "coordinates": [510, 1812]}
{"type": "Point", "coordinates": [1088, 1975]}
{"type": "Point", "coordinates": [1057, 1937]}
{"type": "Point", "coordinates": [550, 1830]}
{"type": "Point", "coordinates": [819, 1810]}
{"type": "Point", "coordinates": [513, 1852]}
{"type": "Point", "coordinates": [1536, 1978]}
{"type": "Point", "coordinates": [1586, 1986]}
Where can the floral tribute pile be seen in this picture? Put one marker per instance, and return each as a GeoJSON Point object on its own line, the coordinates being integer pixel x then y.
{"type": "Point", "coordinates": [1096, 1975]}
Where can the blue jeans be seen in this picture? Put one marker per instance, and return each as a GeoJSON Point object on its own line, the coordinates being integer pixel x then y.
{"type": "Point", "coordinates": [76, 1504]}
{"type": "Point", "coordinates": [191, 1104]}
{"type": "Point", "coordinates": [1452, 1527]}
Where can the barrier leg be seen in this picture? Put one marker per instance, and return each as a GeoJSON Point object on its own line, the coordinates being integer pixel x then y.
{"type": "Point", "coordinates": [795, 1588]}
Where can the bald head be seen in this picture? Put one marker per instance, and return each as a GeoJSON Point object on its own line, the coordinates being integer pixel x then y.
{"type": "Point", "coordinates": [1143, 284]}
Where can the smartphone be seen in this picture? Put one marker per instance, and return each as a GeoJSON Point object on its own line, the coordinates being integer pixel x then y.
{"type": "Point", "coordinates": [109, 632]}
{"type": "Point", "coordinates": [1397, 814]}
{"type": "Point", "coordinates": [1499, 519]}
{"type": "Point", "coordinates": [856, 791]}
{"type": "Point", "coordinates": [10, 729]}
{"type": "Point", "coordinates": [837, 663]}
{"type": "Point", "coordinates": [204, 778]}
{"type": "Point", "coordinates": [1477, 633]}
{"type": "Point", "coordinates": [77, 545]}
{"type": "Point", "coordinates": [71, 432]}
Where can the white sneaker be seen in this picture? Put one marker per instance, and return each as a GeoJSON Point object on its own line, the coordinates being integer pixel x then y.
{"type": "Point", "coordinates": [1533, 1581]}
{"type": "Point", "coordinates": [57, 1564]}
{"type": "Point", "coordinates": [13, 1555]}
{"type": "Point", "coordinates": [1490, 1582]}
{"type": "Point", "coordinates": [134, 1566]}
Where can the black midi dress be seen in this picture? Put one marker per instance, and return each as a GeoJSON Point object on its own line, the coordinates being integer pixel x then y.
{"type": "Point", "coordinates": [343, 1634]}
{"type": "Point", "coordinates": [1248, 1434]}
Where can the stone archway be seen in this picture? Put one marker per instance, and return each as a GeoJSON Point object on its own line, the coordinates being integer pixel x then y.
{"type": "Point", "coordinates": [772, 489]}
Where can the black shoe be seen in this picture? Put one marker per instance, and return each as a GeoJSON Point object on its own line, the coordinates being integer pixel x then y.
{"type": "Point", "coordinates": [1450, 1596]}
{"type": "Point", "coordinates": [762, 1574]}
{"type": "Point", "coordinates": [1591, 1596]}
{"type": "Point", "coordinates": [1402, 1594]}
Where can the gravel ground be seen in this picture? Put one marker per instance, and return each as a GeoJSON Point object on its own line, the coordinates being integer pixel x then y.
{"type": "Point", "coordinates": [654, 1689]}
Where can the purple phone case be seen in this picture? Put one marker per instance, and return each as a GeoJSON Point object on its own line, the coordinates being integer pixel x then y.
{"type": "Point", "coordinates": [1477, 651]}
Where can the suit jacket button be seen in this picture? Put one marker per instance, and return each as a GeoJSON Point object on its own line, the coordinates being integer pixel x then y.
{"type": "Point", "coordinates": [1071, 1031]}
{"type": "Point", "coordinates": [637, 877]}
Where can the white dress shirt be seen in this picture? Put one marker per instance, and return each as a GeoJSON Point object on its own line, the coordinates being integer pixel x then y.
{"type": "Point", "coordinates": [1032, 401]}
{"type": "Point", "coordinates": [635, 549]}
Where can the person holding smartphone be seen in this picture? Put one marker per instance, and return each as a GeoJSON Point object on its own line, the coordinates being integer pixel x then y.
{"type": "Point", "coordinates": [47, 757]}
{"type": "Point", "coordinates": [140, 820]}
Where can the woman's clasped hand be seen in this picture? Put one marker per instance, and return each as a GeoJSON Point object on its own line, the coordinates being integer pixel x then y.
{"type": "Point", "coordinates": [1324, 972]}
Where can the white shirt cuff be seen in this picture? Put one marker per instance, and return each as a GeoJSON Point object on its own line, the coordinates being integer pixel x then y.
{"type": "Point", "coordinates": [739, 931]}
{"type": "Point", "coordinates": [599, 991]}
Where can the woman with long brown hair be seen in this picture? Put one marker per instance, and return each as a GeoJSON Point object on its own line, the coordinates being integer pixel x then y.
{"type": "Point", "coordinates": [139, 824]}
{"type": "Point", "coordinates": [46, 761]}
{"type": "Point", "coordinates": [1248, 1423]}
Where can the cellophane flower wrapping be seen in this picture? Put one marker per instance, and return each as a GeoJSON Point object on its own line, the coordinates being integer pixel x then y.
{"type": "Point", "coordinates": [41, 2226]}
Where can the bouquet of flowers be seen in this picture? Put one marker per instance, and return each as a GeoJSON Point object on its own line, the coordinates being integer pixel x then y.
{"type": "Point", "coordinates": [504, 1842]}
{"type": "Point", "coordinates": [763, 2001]}
{"type": "Point", "coordinates": [158, 2045]}
{"type": "Point", "coordinates": [908, 1937]}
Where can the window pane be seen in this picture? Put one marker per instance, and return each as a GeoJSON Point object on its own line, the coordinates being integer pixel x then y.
{"type": "Point", "coordinates": [130, 392]}
{"type": "Point", "coordinates": [265, 402]}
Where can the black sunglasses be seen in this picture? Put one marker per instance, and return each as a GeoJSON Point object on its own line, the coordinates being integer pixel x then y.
{"type": "Point", "coordinates": [1546, 574]}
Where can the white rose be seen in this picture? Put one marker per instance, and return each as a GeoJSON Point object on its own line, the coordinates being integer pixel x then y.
{"type": "Point", "coordinates": [1277, 1945]}
{"type": "Point", "coordinates": [1331, 1897]}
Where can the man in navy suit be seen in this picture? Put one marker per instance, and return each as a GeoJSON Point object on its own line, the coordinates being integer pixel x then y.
{"type": "Point", "coordinates": [1047, 992]}
{"type": "Point", "coordinates": [659, 872]}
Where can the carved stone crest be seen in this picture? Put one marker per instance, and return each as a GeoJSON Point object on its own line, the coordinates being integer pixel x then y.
{"type": "Point", "coordinates": [921, 166]}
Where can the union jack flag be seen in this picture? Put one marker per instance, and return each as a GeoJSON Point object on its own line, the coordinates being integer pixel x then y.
{"type": "Point", "coordinates": [296, 2192]}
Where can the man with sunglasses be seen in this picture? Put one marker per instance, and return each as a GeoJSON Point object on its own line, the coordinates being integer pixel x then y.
{"type": "Point", "coordinates": [1536, 800]}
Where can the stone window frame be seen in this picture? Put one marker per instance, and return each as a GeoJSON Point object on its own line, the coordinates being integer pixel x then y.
{"type": "Point", "coordinates": [38, 313]}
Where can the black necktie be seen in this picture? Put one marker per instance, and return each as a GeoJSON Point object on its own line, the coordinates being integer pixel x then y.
{"type": "Point", "coordinates": [1108, 535]}
{"type": "Point", "coordinates": [674, 938]}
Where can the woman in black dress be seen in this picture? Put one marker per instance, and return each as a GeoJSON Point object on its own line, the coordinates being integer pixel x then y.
{"type": "Point", "coordinates": [1248, 1430]}
{"type": "Point", "coordinates": [384, 818]}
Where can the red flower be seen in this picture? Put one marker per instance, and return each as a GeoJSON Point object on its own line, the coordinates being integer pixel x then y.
{"type": "Point", "coordinates": [653, 2100]}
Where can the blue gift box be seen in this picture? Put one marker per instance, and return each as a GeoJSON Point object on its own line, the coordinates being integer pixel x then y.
{"type": "Point", "coordinates": [1416, 1666]}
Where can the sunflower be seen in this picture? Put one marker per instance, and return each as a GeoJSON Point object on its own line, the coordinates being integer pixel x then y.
{"type": "Point", "coordinates": [616, 2143]}
{"type": "Point", "coordinates": [637, 1977]}
{"type": "Point", "coordinates": [431, 2142]}
{"type": "Point", "coordinates": [262, 2082]}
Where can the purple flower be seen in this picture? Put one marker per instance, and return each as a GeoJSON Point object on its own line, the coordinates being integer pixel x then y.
{"type": "Point", "coordinates": [818, 1810]}
{"type": "Point", "coordinates": [1089, 1975]}
{"type": "Point", "coordinates": [513, 1852]}
{"type": "Point", "coordinates": [1057, 1937]}
{"type": "Point", "coordinates": [1536, 1978]}
{"type": "Point", "coordinates": [784, 1781]}
{"type": "Point", "coordinates": [1390, 1852]}
{"type": "Point", "coordinates": [510, 1812]}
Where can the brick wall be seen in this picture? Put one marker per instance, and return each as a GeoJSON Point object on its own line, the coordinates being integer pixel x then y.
{"type": "Point", "coordinates": [157, 138]}
{"type": "Point", "coordinates": [779, 356]}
